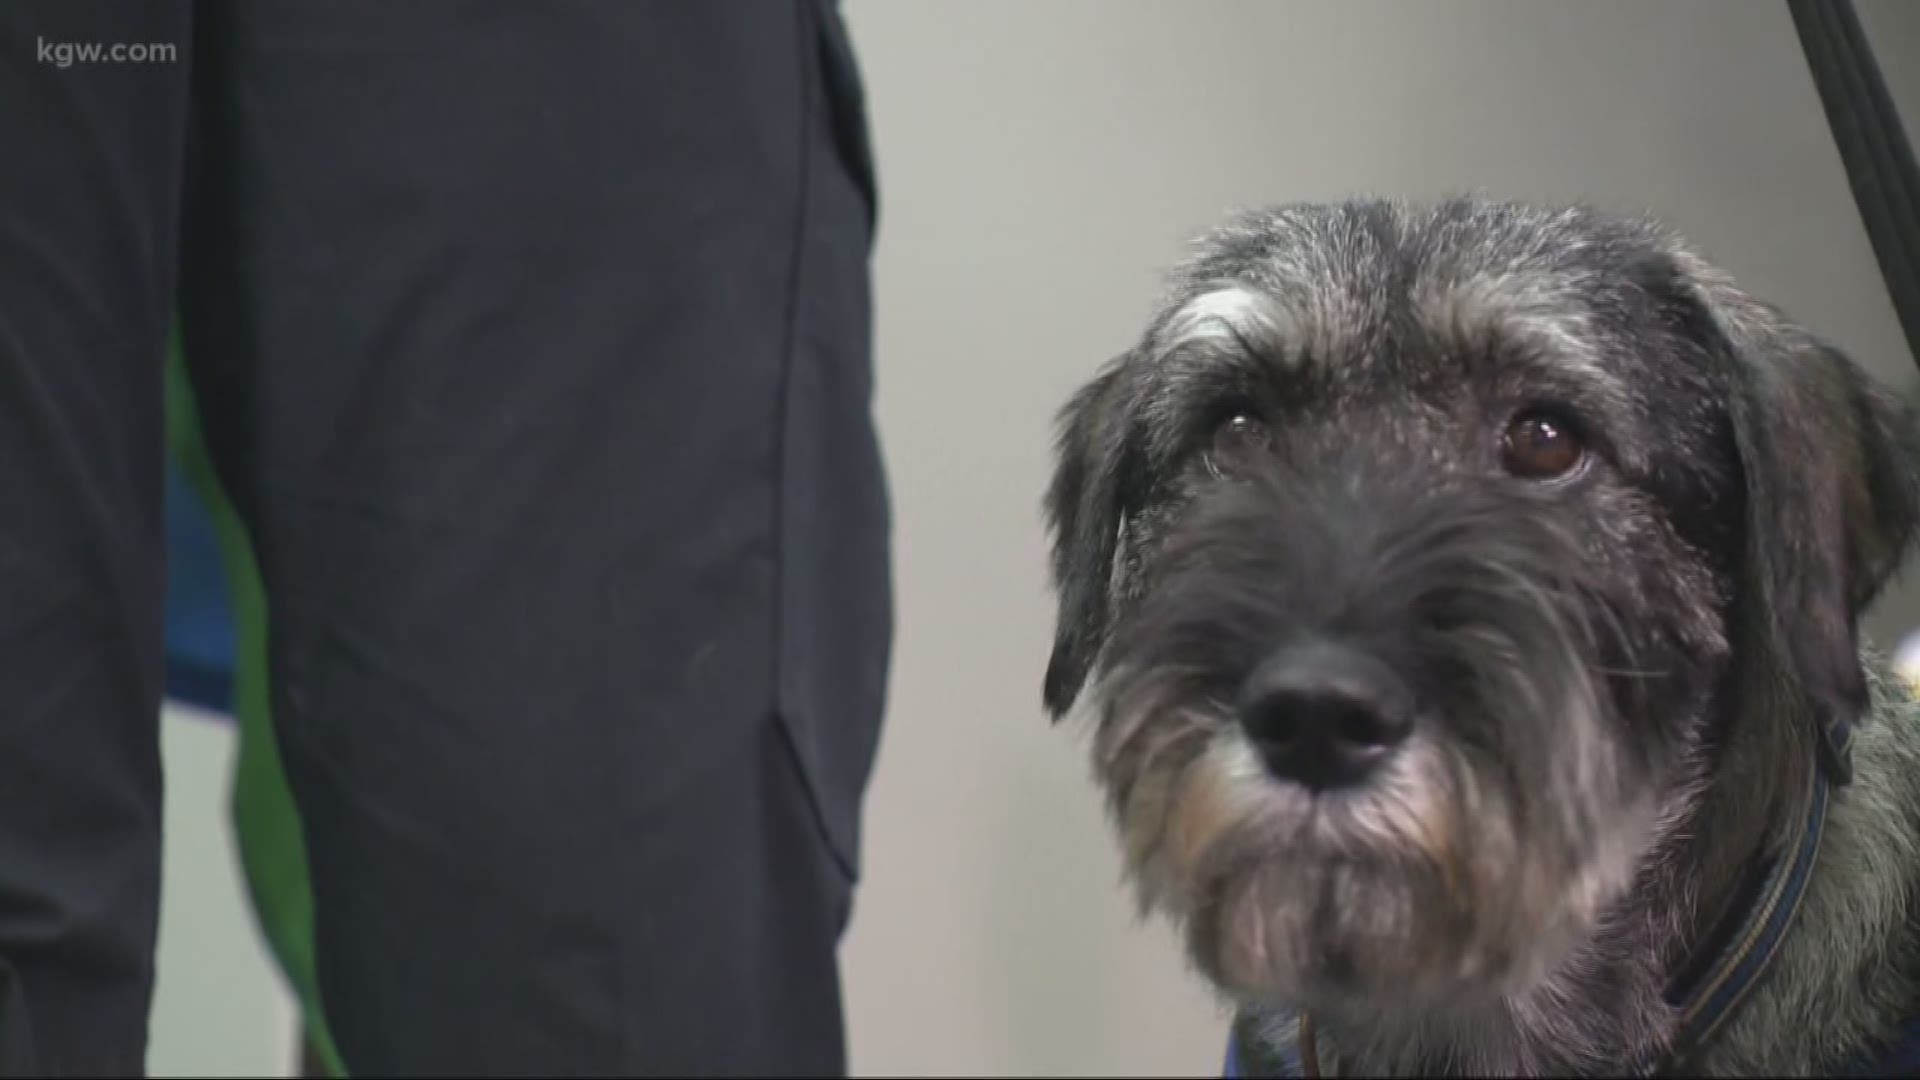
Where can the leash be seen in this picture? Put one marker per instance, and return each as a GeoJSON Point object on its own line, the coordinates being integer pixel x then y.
{"type": "Point", "coordinates": [1873, 146]}
{"type": "Point", "coordinates": [1736, 954]}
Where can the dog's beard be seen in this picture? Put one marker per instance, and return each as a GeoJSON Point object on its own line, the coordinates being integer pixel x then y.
{"type": "Point", "coordinates": [1462, 873]}
{"type": "Point", "coordinates": [1427, 889]}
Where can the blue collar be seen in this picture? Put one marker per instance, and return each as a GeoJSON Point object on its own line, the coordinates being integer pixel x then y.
{"type": "Point", "coordinates": [1706, 992]}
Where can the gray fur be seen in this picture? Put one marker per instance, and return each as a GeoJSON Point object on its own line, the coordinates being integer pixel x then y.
{"type": "Point", "coordinates": [1625, 677]}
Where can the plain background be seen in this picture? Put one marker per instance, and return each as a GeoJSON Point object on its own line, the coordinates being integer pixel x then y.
{"type": "Point", "coordinates": [1041, 161]}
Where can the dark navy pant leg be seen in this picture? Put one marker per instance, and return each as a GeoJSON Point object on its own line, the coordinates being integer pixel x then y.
{"type": "Point", "coordinates": [533, 340]}
{"type": "Point", "coordinates": [93, 106]}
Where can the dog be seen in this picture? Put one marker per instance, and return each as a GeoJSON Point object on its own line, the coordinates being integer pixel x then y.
{"type": "Point", "coordinates": [1464, 602]}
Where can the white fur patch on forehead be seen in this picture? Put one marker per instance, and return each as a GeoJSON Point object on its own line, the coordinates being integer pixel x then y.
{"type": "Point", "coordinates": [1233, 316]}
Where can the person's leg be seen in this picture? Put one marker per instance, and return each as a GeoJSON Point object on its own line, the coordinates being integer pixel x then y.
{"type": "Point", "coordinates": [533, 344]}
{"type": "Point", "coordinates": [88, 195]}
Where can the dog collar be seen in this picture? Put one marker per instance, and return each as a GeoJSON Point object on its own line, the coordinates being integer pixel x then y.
{"type": "Point", "coordinates": [1744, 941]}
{"type": "Point", "coordinates": [1707, 991]}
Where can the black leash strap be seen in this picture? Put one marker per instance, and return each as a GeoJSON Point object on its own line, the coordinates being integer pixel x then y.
{"type": "Point", "coordinates": [1873, 147]}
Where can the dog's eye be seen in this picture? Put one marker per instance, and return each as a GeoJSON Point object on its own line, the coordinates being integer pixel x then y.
{"type": "Point", "coordinates": [1236, 440]}
{"type": "Point", "coordinates": [1539, 445]}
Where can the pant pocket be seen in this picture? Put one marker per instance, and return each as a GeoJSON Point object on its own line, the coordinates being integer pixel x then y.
{"type": "Point", "coordinates": [835, 551]}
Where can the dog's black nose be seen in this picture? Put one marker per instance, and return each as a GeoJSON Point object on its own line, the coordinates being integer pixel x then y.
{"type": "Point", "coordinates": [1325, 715]}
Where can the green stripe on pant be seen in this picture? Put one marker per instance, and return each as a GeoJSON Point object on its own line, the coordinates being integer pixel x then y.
{"type": "Point", "coordinates": [266, 822]}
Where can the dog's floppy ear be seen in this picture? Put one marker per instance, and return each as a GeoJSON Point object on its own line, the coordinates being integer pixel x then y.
{"type": "Point", "coordinates": [1832, 467]}
{"type": "Point", "coordinates": [1084, 510]}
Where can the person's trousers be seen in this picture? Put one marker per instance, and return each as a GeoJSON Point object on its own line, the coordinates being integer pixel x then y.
{"type": "Point", "coordinates": [531, 341]}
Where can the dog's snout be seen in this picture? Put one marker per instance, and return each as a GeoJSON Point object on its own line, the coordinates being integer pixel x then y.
{"type": "Point", "coordinates": [1325, 715]}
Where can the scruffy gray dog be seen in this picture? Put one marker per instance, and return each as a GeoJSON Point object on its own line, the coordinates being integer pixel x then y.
{"type": "Point", "coordinates": [1465, 602]}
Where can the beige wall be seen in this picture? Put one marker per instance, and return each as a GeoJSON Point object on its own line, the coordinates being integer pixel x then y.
{"type": "Point", "coordinates": [1040, 161]}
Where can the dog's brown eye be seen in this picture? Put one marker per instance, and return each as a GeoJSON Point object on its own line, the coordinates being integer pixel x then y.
{"type": "Point", "coordinates": [1541, 446]}
{"type": "Point", "coordinates": [1234, 441]}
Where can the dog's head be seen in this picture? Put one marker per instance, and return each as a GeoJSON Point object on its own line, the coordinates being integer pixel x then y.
{"type": "Point", "coordinates": [1416, 563]}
